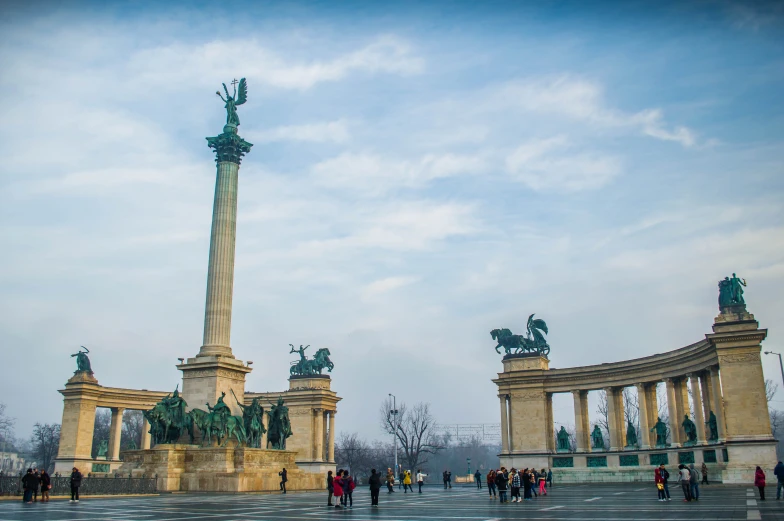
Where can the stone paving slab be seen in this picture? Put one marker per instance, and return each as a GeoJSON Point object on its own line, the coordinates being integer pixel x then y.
{"type": "Point", "coordinates": [584, 502]}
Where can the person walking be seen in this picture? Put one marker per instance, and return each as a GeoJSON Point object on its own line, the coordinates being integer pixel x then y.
{"type": "Point", "coordinates": [46, 484]}
{"type": "Point", "coordinates": [549, 478]}
{"type": "Point", "coordinates": [443, 476]}
{"type": "Point", "coordinates": [391, 481]}
{"type": "Point", "coordinates": [501, 481]}
{"type": "Point", "coordinates": [694, 482]}
{"type": "Point", "coordinates": [400, 478]}
{"type": "Point", "coordinates": [337, 488]}
{"type": "Point", "coordinates": [420, 479]}
{"type": "Point", "coordinates": [659, 480]}
{"type": "Point", "coordinates": [525, 481]}
{"type": "Point", "coordinates": [683, 478]}
{"type": "Point", "coordinates": [283, 479]}
{"type": "Point", "coordinates": [348, 490]}
{"type": "Point", "coordinates": [704, 471]}
{"type": "Point", "coordinates": [374, 481]}
{"type": "Point", "coordinates": [407, 482]}
{"type": "Point", "coordinates": [76, 482]}
{"type": "Point", "coordinates": [491, 488]}
{"type": "Point", "coordinates": [759, 482]}
{"type": "Point", "coordinates": [330, 488]}
{"type": "Point", "coordinates": [27, 486]}
{"type": "Point", "coordinates": [449, 478]}
{"type": "Point", "coordinates": [515, 483]}
{"type": "Point", "coordinates": [478, 479]}
{"type": "Point", "coordinates": [542, 482]}
{"type": "Point", "coordinates": [778, 471]}
{"type": "Point", "coordinates": [534, 479]}
{"type": "Point", "coordinates": [665, 475]}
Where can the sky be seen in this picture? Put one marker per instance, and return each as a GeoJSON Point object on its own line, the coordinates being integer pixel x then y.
{"type": "Point", "coordinates": [421, 174]}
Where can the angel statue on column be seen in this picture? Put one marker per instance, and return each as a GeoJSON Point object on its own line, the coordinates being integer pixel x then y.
{"type": "Point", "coordinates": [239, 97]}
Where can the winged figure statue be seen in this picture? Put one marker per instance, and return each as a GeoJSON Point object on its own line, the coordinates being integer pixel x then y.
{"type": "Point", "coordinates": [240, 96]}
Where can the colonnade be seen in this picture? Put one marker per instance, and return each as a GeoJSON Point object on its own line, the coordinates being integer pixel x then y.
{"type": "Point", "coordinates": [324, 434]}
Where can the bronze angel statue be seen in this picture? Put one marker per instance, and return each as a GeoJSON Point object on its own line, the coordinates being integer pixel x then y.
{"type": "Point", "coordinates": [240, 96]}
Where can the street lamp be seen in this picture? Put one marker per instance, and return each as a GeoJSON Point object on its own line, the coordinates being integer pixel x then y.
{"type": "Point", "coordinates": [468, 460]}
{"type": "Point", "coordinates": [396, 426]}
{"type": "Point", "coordinates": [781, 365]}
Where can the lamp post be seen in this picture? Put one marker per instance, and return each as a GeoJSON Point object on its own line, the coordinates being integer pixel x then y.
{"type": "Point", "coordinates": [394, 430]}
{"type": "Point", "coordinates": [468, 460]}
{"type": "Point", "coordinates": [781, 364]}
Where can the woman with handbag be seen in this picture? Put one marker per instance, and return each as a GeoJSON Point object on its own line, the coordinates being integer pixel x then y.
{"type": "Point", "coordinates": [46, 485]}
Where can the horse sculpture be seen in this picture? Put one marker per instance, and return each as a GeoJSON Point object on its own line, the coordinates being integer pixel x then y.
{"type": "Point", "coordinates": [211, 425]}
{"type": "Point", "coordinates": [532, 342]}
{"type": "Point", "coordinates": [320, 361]}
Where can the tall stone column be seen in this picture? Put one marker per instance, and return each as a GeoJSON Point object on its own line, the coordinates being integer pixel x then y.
{"type": "Point", "coordinates": [146, 438]}
{"type": "Point", "coordinates": [612, 418]}
{"type": "Point", "coordinates": [675, 428]}
{"type": "Point", "coordinates": [653, 404]}
{"type": "Point", "coordinates": [331, 445]}
{"type": "Point", "coordinates": [581, 421]}
{"type": "Point", "coordinates": [549, 421]}
{"type": "Point", "coordinates": [718, 403]}
{"type": "Point", "coordinates": [318, 433]}
{"type": "Point", "coordinates": [214, 371]}
{"type": "Point", "coordinates": [80, 398]}
{"type": "Point", "coordinates": [644, 414]}
{"type": "Point", "coordinates": [699, 419]}
{"type": "Point", "coordinates": [504, 426]}
{"type": "Point", "coordinates": [707, 399]}
{"type": "Point", "coordinates": [115, 433]}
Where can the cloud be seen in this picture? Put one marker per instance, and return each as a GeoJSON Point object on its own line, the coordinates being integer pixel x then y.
{"type": "Point", "coordinates": [323, 132]}
{"type": "Point", "coordinates": [583, 100]}
{"type": "Point", "coordinates": [372, 174]}
{"type": "Point", "coordinates": [385, 285]}
{"type": "Point", "coordinates": [543, 165]}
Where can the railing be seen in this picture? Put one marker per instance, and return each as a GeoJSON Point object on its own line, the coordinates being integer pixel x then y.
{"type": "Point", "coordinates": [61, 485]}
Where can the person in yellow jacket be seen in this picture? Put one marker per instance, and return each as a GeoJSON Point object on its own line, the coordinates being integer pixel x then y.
{"type": "Point", "coordinates": [407, 482]}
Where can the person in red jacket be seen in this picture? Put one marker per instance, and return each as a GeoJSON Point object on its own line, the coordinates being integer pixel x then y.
{"type": "Point", "coordinates": [759, 482]}
{"type": "Point", "coordinates": [659, 480]}
{"type": "Point", "coordinates": [337, 488]}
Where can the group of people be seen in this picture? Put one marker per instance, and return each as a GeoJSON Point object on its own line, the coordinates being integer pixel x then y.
{"type": "Point", "coordinates": [35, 480]}
{"type": "Point", "coordinates": [529, 480]}
{"type": "Point", "coordinates": [341, 486]}
{"type": "Point", "coordinates": [689, 478]}
{"type": "Point", "coordinates": [759, 480]}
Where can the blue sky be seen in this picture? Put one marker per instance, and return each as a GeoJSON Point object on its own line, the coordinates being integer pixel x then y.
{"type": "Point", "coordinates": [420, 175]}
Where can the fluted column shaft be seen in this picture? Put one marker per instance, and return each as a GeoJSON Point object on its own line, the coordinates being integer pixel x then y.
{"type": "Point", "coordinates": [581, 421]}
{"type": "Point", "coordinates": [146, 438]}
{"type": "Point", "coordinates": [718, 402]}
{"type": "Point", "coordinates": [644, 414]}
{"type": "Point", "coordinates": [698, 419]}
{"type": "Point", "coordinates": [319, 435]}
{"type": "Point", "coordinates": [331, 446]}
{"type": "Point", "coordinates": [504, 426]}
{"type": "Point", "coordinates": [675, 428]}
{"type": "Point", "coordinates": [115, 433]}
{"type": "Point", "coordinates": [220, 271]}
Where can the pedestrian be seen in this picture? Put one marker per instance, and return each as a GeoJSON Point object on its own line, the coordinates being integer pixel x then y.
{"type": "Point", "coordinates": [420, 479]}
{"type": "Point", "coordinates": [449, 478]}
{"type": "Point", "coordinates": [659, 480]}
{"type": "Point", "coordinates": [683, 478]}
{"type": "Point", "coordinates": [390, 481]}
{"type": "Point", "coordinates": [491, 488]}
{"type": "Point", "coordinates": [704, 471]}
{"type": "Point", "coordinates": [443, 476]}
{"type": "Point", "coordinates": [407, 482]}
{"type": "Point", "coordinates": [501, 481]}
{"type": "Point", "coordinates": [343, 485]}
{"type": "Point", "coordinates": [778, 471]}
{"type": "Point", "coordinates": [348, 490]}
{"type": "Point", "coordinates": [515, 486]}
{"type": "Point", "coordinates": [27, 486]}
{"type": "Point", "coordinates": [478, 479]}
{"type": "Point", "coordinates": [665, 475]}
{"type": "Point", "coordinates": [533, 478]}
{"type": "Point", "coordinates": [694, 482]}
{"type": "Point", "coordinates": [542, 482]}
{"type": "Point", "coordinates": [76, 482]}
{"type": "Point", "coordinates": [337, 488]}
{"type": "Point", "coordinates": [759, 482]}
{"type": "Point", "coordinates": [375, 487]}
{"type": "Point", "coordinates": [400, 478]}
{"type": "Point", "coordinates": [330, 488]}
{"type": "Point", "coordinates": [549, 478]}
{"type": "Point", "coordinates": [46, 484]}
{"type": "Point", "coordinates": [283, 479]}
{"type": "Point", "coordinates": [36, 482]}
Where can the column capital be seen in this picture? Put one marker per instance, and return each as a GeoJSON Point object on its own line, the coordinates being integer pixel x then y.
{"type": "Point", "coordinates": [229, 146]}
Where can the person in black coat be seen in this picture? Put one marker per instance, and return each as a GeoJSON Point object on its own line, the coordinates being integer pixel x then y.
{"type": "Point", "coordinates": [330, 488]}
{"type": "Point", "coordinates": [375, 487]}
{"type": "Point", "coordinates": [284, 477]}
{"type": "Point", "coordinates": [76, 482]}
{"type": "Point", "coordinates": [29, 483]}
{"type": "Point", "coordinates": [46, 484]}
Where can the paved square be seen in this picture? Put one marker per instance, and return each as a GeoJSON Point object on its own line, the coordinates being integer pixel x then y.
{"type": "Point", "coordinates": [572, 502]}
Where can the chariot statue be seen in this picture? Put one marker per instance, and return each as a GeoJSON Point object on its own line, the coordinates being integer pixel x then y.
{"type": "Point", "coordinates": [305, 367]}
{"type": "Point", "coordinates": [532, 342]}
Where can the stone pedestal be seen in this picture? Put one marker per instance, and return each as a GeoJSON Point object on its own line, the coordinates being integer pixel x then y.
{"type": "Point", "coordinates": [204, 378]}
{"type": "Point", "coordinates": [80, 398]}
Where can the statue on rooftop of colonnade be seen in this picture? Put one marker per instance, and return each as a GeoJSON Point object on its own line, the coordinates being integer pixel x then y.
{"type": "Point", "coordinates": [532, 342]}
{"type": "Point", "coordinates": [731, 292]}
{"type": "Point", "coordinates": [82, 361]}
{"type": "Point", "coordinates": [305, 367]}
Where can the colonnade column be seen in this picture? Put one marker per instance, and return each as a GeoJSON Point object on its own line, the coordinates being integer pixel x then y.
{"type": "Point", "coordinates": [145, 434]}
{"type": "Point", "coordinates": [707, 394]}
{"type": "Point", "coordinates": [504, 426]}
{"type": "Point", "coordinates": [620, 421]}
{"type": "Point", "coordinates": [581, 421]}
{"type": "Point", "coordinates": [699, 419]}
{"type": "Point", "coordinates": [653, 404]}
{"type": "Point", "coordinates": [331, 442]}
{"type": "Point", "coordinates": [642, 400]}
{"type": "Point", "coordinates": [319, 434]}
{"type": "Point", "coordinates": [718, 402]}
{"type": "Point", "coordinates": [674, 426]}
{"type": "Point", "coordinates": [612, 418]}
{"type": "Point", "coordinates": [115, 432]}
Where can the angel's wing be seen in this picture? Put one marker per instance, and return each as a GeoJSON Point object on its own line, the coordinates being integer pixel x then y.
{"type": "Point", "coordinates": [242, 92]}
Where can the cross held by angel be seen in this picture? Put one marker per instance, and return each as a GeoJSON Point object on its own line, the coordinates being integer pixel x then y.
{"type": "Point", "coordinates": [240, 96]}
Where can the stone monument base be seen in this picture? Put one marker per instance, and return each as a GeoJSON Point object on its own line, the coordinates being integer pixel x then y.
{"type": "Point", "coordinates": [189, 468]}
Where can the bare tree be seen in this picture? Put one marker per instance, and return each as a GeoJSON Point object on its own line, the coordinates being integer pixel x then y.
{"type": "Point", "coordinates": [350, 451]}
{"type": "Point", "coordinates": [6, 427]}
{"type": "Point", "coordinates": [131, 437]}
{"type": "Point", "coordinates": [631, 411]}
{"type": "Point", "coordinates": [415, 432]}
{"type": "Point", "coordinates": [101, 428]}
{"type": "Point", "coordinates": [770, 389]}
{"type": "Point", "coordinates": [45, 442]}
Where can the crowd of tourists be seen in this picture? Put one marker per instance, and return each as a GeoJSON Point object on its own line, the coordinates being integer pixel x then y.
{"type": "Point", "coordinates": [533, 483]}
{"type": "Point", "coordinates": [34, 481]}
{"type": "Point", "coordinates": [341, 487]}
